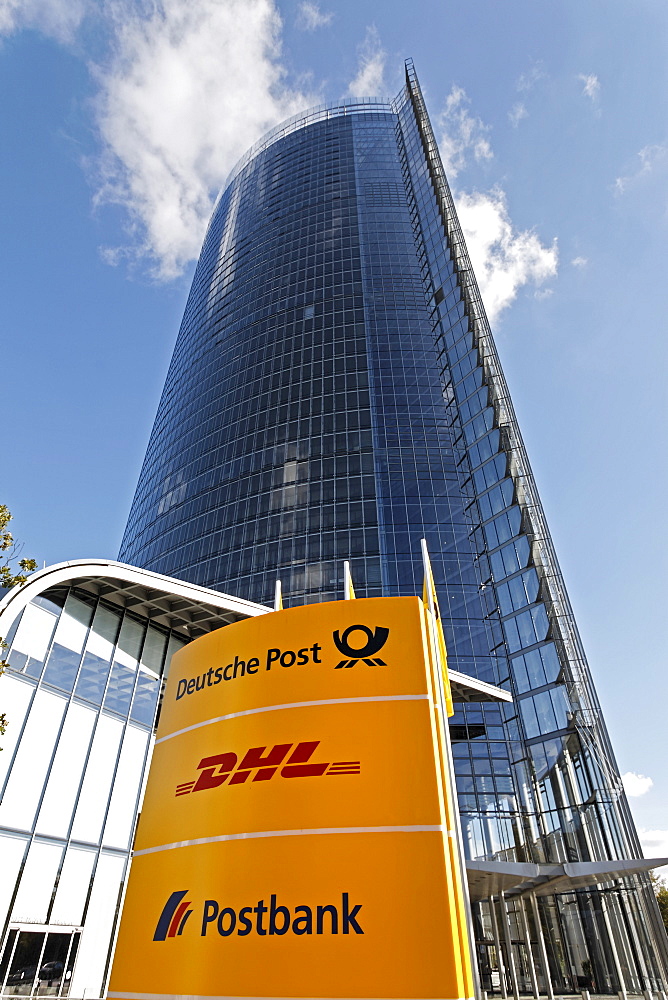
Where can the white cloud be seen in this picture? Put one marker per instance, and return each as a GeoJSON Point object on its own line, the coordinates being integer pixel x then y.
{"type": "Point", "coordinates": [591, 85]}
{"type": "Point", "coordinates": [461, 133]}
{"type": "Point", "coordinates": [58, 19]}
{"type": "Point", "coordinates": [654, 844]}
{"type": "Point", "coordinates": [503, 259]}
{"type": "Point", "coordinates": [369, 81]}
{"type": "Point", "coordinates": [636, 785]}
{"type": "Point", "coordinates": [527, 81]}
{"type": "Point", "coordinates": [310, 17]}
{"type": "Point", "coordinates": [189, 87]}
{"type": "Point", "coordinates": [580, 262]}
{"type": "Point", "coordinates": [517, 113]}
{"type": "Point", "coordinates": [651, 157]}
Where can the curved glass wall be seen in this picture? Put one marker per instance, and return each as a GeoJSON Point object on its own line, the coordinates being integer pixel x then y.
{"type": "Point", "coordinates": [335, 394]}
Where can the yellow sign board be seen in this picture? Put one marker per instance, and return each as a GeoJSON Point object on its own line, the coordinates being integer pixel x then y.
{"type": "Point", "coordinates": [254, 874]}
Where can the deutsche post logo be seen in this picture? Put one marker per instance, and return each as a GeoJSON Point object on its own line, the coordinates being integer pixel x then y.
{"type": "Point", "coordinates": [373, 644]}
{"type": "Point", "coordinates": [263, 765]}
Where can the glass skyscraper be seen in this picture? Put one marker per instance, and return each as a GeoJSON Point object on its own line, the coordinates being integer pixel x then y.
{"type": "Point", "coordinates": [335, 394]}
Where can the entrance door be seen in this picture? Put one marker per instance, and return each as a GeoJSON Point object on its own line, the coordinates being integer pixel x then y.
{"type": "Point", "coordinates": [38, 962]}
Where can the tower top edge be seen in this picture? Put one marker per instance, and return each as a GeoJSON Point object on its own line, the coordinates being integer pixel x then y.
{"type": "Point", "coordinates": [317, 113]}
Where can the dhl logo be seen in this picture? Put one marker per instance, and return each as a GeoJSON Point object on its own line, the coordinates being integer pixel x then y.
{"type": "Point", "coordinates": [216, 770]}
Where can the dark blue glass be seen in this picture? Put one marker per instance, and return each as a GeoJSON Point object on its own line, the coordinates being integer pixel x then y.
{"type": "Point", "coordinates": [335, 395]}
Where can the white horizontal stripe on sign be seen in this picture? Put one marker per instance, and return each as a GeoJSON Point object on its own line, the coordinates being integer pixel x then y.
{"type": "Point", "coordinates": [293, 704]}
{"type": "Point", "coordinates": [254, 834]}
{"type": "Point", "coordinates": [199, 996]}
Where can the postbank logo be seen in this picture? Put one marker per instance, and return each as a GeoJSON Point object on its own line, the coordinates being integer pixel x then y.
{"type": "Point", "coordinates": [294, 761]}
{"type": "Point", "coordinates": [173, 917]}
{"type": "Point", "coordinates": [330, 918]}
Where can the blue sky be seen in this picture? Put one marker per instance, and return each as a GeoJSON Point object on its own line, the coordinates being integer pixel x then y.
{"type": "Point", "coordinates": [120, 120]}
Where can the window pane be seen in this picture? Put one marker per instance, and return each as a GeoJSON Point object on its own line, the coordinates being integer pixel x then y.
{"type": "Point", "coordinates": [520, 674]}
{"type": "Point", "coordinates": [71, 959]}
{"type": "Point", "coordinates": [550, 662]}
{"type": "Point", "coordinates": [23, 970]}
{"type": "Point", "coordinates": [129, 642]}
{"type": "Point", "coordinates": [154, 649]}
{"type": "Point", "coordinates": [68, 642]}
{"type": "Point", "coordinates": [15, 697]}
{"type": "Point", "coordinates": [121, 816]}
{"type": "Point", "coordinates": [32, 640]}
{"type": "Point", "coordinates": [92, 678]}
{"type": "Point", "coordinates": [89, 969]}
{"type": "Point", "coordinates": [73, 887]}
{"type": "Point", "coordinates": [99, 650]}
{"type": "Point", "coordinates": [119, 690]}
{"type": "Point", "coordinates": [545, 712]}
{"type": "Point", "coordinates": [534, 664]}
{"type": "Point", "coordinates": [175, 644]}
{"type": "Point", "coordinates": [63, 783]}
{"type": "Point", "coordinates": [529, 717]}
{"type": "Point", "coordinates": [97, 781]}
{"type": "Point", "coordinates": [6, 955]}
{"type": "Point", "coordinates": [145, 699]}
{"type": "Point", "coordinates": [12, 850]}
{"type": "Point", "coordinates": [37, 882]}
{"type": "Point", "coordinates": [561, 706]}
{"type": "Point", "coordinates": [52, 965]}
{"type": "Point", "coordinates": [24, 787]}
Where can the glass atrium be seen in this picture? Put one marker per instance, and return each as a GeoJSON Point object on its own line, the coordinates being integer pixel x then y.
{"type": "Point", "coordinates": [87, 650]}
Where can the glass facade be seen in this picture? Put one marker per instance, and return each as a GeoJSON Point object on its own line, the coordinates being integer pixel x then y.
{"type": "Point", "coordinates": [335, 394]}
{"type": "Point", "coordinates": [80, 692]}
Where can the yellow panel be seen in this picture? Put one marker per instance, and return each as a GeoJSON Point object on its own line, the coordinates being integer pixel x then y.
{"type": "Point", "coordinates": [396, 879]}
{"type": "Point", "coordinates": [269, 643]}
{"type": "Point", "coordinates": [369, 776]}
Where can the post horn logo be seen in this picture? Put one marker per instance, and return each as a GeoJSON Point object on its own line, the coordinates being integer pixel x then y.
{"type": "Point", "coordinates": [374, 643]}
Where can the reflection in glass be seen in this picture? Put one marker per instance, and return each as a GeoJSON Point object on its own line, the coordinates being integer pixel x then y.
{"type": "Point", "coordinates": [153, 651]}
{"type": "Point", "coordinates": [37, 964]}
{"type": "Point", "coordinates": [99, 651]}
{"type": "Point", "coordinates": [6, 956]}
{"type": "Point", "coordinates": [52, 969]}
{"type": "Point", "coordinates": [119, 689]}
{"type": "Point", "coordinates": [124, 668]}
{"type": "Point", "coordinates": [145, 698]}
{"type": "Point", "coordinates": [31, 640]}
{"type": "Point", "coordinates": [71, 959]}
{"type": "Point", "coordinates": [130, 641]}
{"type": "Point", "coordinates": [25, 963]}
{"type": "Point", "coordinates": [175, 643]}
{"type": "Point", "coordinates": [68, 641]}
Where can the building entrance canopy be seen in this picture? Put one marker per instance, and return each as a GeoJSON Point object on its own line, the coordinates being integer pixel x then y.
{"type": "Point", "coordinates": [491, 878]}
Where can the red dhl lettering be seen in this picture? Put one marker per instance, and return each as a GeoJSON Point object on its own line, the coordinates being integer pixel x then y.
{"type": "Point", "coordinates": [263, 764]}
